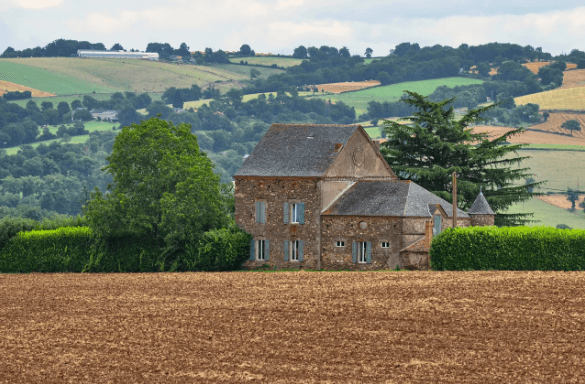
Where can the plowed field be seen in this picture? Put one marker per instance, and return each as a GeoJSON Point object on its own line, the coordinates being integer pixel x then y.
{"type": "Point", "coordinates": [293, 327]}
{"type": "Point", "coordinates": [555, 120]}
{"type": "Point", "coordinates": [347, 86]}
{"type": "Point", "coordinates": [531, 137]}
{"type": "Point", "coordinates": [573, 79]}
{"type": "Point", "coordinates": [7, 86]}
{"type": "Point", "coordinates": [560, 201]}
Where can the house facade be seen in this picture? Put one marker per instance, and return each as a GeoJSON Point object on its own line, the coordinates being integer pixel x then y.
{"type": "Point", "coordinates": [323, 197]}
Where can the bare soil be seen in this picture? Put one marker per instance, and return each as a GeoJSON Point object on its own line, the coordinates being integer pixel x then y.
{"type": "Point", "coordinates": [560, 201]}
{"type": "Point", "coordinates": [293, 327]}
{"type": "Point", "coordinates": [574, 78]}
{"type": "Point", "coordinates": [347, 86]}
{"type": "Point", "coordinates": [532, 137]}
{"type": "Point", "coordinates": [7, 86]}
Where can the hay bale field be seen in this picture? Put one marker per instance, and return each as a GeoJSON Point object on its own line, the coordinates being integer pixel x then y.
{"type": "Point", "coordinates": [7, 86]}
{"type": "Point", "coordinates": [302, 327]}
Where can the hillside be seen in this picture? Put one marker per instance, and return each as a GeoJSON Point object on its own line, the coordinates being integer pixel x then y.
{"type": "Point", "coordinates": [360, 99]}
{"type": "Point", "coordinates": [66, 76]}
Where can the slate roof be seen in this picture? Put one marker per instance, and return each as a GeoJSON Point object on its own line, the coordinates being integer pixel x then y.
{"type": "Point", "coordinates": [296, 150]}
{"type": "Point", "coordinates": [480, 206]}
{"type": "Point", "coordinates": [388, 198]}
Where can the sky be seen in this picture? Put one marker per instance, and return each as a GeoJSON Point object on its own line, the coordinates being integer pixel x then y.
{"type": "Point", "coordinates": [278, 26]}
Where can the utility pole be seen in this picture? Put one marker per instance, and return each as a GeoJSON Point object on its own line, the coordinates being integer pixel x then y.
{"type": "Point", "coordinates": [454, 199]}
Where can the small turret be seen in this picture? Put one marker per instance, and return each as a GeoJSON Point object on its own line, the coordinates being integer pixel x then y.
{"type": "Point", "coordinates": [481, 213]}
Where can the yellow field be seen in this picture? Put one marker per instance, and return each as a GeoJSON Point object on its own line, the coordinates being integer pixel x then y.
{"type": "Point", "coordinates": [7, 86]}
{"type": "Point", "coordinates": [534, 67]}
{"type": "Point", "coordinates": [574, 78]}
{"type": "Point", "coordinates": [530, 137]}
{"type": "Point", "coordinates": [347, 86]}
{"type": "Point", "coordinates": [560, 98]}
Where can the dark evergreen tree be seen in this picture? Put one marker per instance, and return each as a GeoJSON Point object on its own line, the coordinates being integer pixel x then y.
{"type": "Point", "coordinates": [435, 144]}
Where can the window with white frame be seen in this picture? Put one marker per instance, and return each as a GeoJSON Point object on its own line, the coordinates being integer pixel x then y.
{"type": "Point", "coordinates": [340, 243]}
{"type": "Point", "coordinates": [294, 213]}
{"type": "Point", "coordinates": [385, 244]}
{"type": "Point", "coordinates": [261, 250]}
{"type": "Point", "coordinates": [294, 250]}
{"type": "Point", "coordinates": [362, 247]}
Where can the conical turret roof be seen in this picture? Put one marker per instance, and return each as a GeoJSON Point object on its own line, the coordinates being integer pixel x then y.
{"type": "Point", "coordinates": [480, 206]}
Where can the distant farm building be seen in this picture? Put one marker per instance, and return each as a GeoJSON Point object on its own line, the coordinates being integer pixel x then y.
{"type": "Point", "coordinates": [116, 54]}
{"type": "Point", "coordinates": [111, 115]}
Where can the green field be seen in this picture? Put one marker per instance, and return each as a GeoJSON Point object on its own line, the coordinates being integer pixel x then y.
{"type": "Point", "coordinates": [546, 214]}
{"type": "Point", "coordinates": [244, 70]}
{"type": "Point", "coordinates": [561, 169]}
{"type": "Point", "coordinates": [67, 76]}
{"type": "Point", "coordinates": [557, 147]}
{"type": "Point", "coordinates": [283, 62]}
{"type": "Point", "coordinates": [360, 99]}
{"type": "Point", "coordinates": [58, 82]}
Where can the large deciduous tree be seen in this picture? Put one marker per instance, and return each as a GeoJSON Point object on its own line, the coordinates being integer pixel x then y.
{"type": "Point", "coordinates": [164, 188]}
{"type": "Point", "coordinates": [435, 144]}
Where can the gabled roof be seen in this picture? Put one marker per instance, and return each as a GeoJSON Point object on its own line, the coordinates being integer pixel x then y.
{"type": "Point", "coordinates": [301, 150]}
{"type": "Point", "coordinates": [480, 206]}
{"type": "Point", "coordinates": [388, 198]}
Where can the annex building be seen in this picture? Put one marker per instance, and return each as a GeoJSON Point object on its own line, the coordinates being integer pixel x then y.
{"type": "Point", "coordinates": [322, 196]}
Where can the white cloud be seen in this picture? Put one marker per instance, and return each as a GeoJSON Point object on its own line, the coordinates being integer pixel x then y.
{"type": "Point", "coordinates": [37, 4]}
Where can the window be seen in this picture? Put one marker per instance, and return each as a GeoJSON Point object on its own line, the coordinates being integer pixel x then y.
{"type": "Point", "coordinates": [361, 251]}
{"type": "Point", "coordinates": [340, 244]}
{"type": "Point", "coordinates": [294, 250]}
{"type": "Point", "coordinates": [385, 244]}
{"type": "Point", "coordinates": [437, 225]}
{"type": "Point", "coordinates": [260, 212]}
{"type": "Point", "coordinates": [294, 213]}
{"type": "Point", "coordinates": [261, 250]}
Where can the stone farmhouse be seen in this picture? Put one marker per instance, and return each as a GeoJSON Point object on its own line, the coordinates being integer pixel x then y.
{"type": "Point", "coordinates": [322, 196]}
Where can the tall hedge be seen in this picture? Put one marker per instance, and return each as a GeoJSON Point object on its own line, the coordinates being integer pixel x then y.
{"type": "Point", "coordinates": [509, 248]}
{"type": "Point", "coordinates": [76, 249]}
{"type": "Point", "coordinates": [58, 250]}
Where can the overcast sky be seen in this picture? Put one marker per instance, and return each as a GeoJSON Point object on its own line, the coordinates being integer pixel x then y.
{"type": "Point", "coordinates": [278, 26]}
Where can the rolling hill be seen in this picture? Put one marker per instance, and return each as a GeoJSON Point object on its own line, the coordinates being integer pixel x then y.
{"type": "Point", "coordinates": [67, 76]}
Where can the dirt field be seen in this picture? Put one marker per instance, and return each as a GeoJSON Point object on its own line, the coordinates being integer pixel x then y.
{"type": "Point", "coordinates": [575, 78]}
{"type": "Point", "coordinates": [534, 67]}
{"type": "Point", "coordinates": [295, 327]}
{"type": "Point", "coordinates": [560, 201]}
{"type": "Point", "coordinates": [347, 86]}
{"type": "Point", "coordinates": [6, 86]}
{"type": "Point", "coordinates": [555, 120]}
{"type": "Point", "coordinates": [531, 137]}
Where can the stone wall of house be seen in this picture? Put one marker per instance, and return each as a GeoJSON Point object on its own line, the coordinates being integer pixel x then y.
{"type": "Point", "coordinates": [348, 229]}
{"type": "Point", "coordinates": [482, 220]}
{"type": "Point", "coordinates": [415, 260]}
{"type": "Point", "coordinates": [275, 192]}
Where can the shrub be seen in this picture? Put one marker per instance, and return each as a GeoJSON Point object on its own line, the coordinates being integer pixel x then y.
{"type": "Point", "coordinates": [217, 250]}
{"type": "Point", "coordinates": [509, 248]}
{"type": "Point", "coordinates": [58, 250]}
{"type": "Point", "coordinates": [127, 253]}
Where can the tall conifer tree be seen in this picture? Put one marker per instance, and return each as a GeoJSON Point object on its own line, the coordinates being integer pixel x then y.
{"type": "Point", "coordinates": [434, 144]}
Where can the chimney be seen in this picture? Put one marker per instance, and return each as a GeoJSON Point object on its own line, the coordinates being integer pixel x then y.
{"type": "Point", "coordinates": [428, 233]}
{"type": "Point", "coordinates": [338, 147]}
